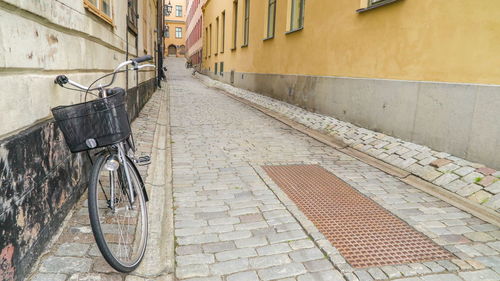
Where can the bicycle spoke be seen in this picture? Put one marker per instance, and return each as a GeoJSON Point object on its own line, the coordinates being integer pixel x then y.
{"type": "Point", "coordinates": [123, 229]}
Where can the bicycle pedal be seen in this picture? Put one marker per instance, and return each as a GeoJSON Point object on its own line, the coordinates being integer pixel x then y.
{"type": "Point", "coordinates": [143, 160]}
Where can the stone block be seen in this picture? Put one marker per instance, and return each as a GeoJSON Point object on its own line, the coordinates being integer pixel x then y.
{"type": "Point", "coordinates": [469, 190]}
{"type": "Point", "coordinates": [480, 197]}
{"type": "Point", "coordinates": [487, 181]}
{"type": "Point", "coordinates": [268, 261]}
{"type": "Point", "coordinates": [493, 202]}
{"type": "Point", "coordinates": [440, 162]}
{"type": "Point", "coordinates": [306, 255]}
{"type": "Point", "coordinates": [494, 188]}
{"type": "Point", "coordinates": [229, 267]}
{"type": "Point", "coordinates": [282, 271]}
{"type": "Point", "coordinates": [486, 171]}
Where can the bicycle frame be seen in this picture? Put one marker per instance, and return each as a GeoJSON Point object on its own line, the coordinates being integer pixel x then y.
{"type": "Point", "coordinates": [122, 155]}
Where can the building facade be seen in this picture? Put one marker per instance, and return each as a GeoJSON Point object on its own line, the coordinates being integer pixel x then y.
{"type": "Point", "coordinates": [175, 39]}
{"type": "Point", "coordinates": [194, 23]}
{"type": "Point", "coordinates": [83, 39]}
{"type": "Point", "coordinates": [423, 71]}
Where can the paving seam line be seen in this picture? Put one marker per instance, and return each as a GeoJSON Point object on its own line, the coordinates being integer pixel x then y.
{"type": "Point", "coordinates": [158, 261]}
{"type": "Point", "coordinates": [310, 229]}
{"type": "Point", "coordinates": [475, 209]}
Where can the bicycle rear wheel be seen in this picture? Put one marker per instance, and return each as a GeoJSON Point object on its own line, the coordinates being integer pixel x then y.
{"type": "Point", "coordinates": [120, 232]}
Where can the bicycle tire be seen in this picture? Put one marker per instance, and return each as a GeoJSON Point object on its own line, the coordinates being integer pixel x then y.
{"type": "Point", "coordinates": [101, 216]}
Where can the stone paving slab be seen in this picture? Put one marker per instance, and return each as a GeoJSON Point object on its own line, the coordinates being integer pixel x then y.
{"type": "Point", "coordinates": [232, 221]}
{"type": "Point", "coordinates": [74, 256]}
{"type": "Point", "coordinates": [470, 180]}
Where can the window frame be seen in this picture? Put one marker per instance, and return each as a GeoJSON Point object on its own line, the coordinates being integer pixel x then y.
{"type": "Point", "coordinates": [235, 24]}
{"type": "Point", "coordinates": [223, 37]}
{"type": "Point", "coordinates": [376, 2]}
{"type": "Point", "coordinates": [206, 42]}
{"type": "Point", "coordinates": [370, 4]}
{"type": "Point", "coordinates": [300, 16]}
{"type": "Point", "coordinates": [246, 24]}
{"type": "Point", "coordinates": [210, 40]}
{"type": "Point", "coordinates": [97, 10]}
{"type": "Point", "coordinates": [216, 36]}
{"type": "Point", "coordinates": [268, 34]}
{"type": "Point", "coordinates": [132, 17]}
{"type": "Point", "coordinates": [178, 29]}
{"type": "Point", "coordinates": [177, 10]}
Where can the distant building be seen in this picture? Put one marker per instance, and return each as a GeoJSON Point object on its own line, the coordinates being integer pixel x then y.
{"type": "Point", "coordinates": [194, 23]}
{"type": "Point", "coordinates": [175, 39]}
{"type": "Point", "coordinates": [40, 179]}
{"type": "Point", "coordinates": [424, 71]}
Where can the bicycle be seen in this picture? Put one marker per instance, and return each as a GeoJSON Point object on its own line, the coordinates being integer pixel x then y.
{"type": "Point", "coordinates": [116, 192]}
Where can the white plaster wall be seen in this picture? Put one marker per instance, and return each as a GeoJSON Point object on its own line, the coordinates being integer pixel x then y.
{"type": "Point", "coordinates": [41, 39]}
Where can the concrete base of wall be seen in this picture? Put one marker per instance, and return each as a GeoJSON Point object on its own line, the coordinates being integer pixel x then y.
{"type": "Point", "coordinates": [461, 119]}
{"type": "Point", "coordinates": [41, 180]}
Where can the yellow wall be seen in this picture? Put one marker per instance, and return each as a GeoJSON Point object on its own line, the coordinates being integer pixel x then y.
{"type": "Point", "coordinates": [423, 40]}
{"type": "Point", "coordinates": [174, 21]}
{"type": "Point", "coordinates": [172, 39]}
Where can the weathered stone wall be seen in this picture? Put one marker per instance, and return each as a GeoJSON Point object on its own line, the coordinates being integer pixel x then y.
{"type": "Point", "coordinates": [40, 179]}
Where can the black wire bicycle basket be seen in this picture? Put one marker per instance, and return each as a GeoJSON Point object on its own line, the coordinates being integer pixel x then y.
{"type": "Point", "coordinates": [94, 124]}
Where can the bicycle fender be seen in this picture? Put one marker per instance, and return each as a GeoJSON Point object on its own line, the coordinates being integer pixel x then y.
{"type": "Point", "coordinates": [140, 180]}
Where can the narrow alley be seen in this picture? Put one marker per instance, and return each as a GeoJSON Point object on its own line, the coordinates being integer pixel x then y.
{"type": "Point", "coordinates": [232, 222]}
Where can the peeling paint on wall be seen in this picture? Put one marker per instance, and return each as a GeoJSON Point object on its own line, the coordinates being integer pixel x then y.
{"type": "Point", "coordinates": [7, 270]}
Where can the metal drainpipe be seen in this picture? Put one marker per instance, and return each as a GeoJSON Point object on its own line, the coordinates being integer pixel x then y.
{"type": "Point", "coordinates": [126, 42]}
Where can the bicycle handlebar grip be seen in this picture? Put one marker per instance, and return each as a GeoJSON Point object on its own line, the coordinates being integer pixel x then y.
{"type": "Point", "coordinates": [61, 80]}
{"type": "Point", "coordinates": [141, 59]}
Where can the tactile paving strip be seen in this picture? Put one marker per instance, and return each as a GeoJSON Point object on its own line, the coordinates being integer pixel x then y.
{"type": "Point", "coordinates": [365, 233]}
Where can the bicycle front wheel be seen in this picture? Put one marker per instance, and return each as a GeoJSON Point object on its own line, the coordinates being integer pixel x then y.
{"type": "Point", "coordinates": [120, 228]}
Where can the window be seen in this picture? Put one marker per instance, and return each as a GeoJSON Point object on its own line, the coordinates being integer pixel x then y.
{"type": "Point", "coordinates": [101, 8]}
{"type": "Point", "coordinates": [297, 15]}
{"type": "Point", "coordinates": [216, 35]}
{"type": "Point", "coordinates": [223, 31]}
{"type": "Point", "coordinates": [178, 10]}
{"type": "Point", "coordinates": [206, 42]}
{"type": "Point", "coordinates": [247, 23]}
{"type": "Point", "coordinates": [235, 22]}
{"type": "Point", "coordinates": [271, 18]}
{"type": "Point", "coordinates": [210, 39]}
{"type": "Point", "coordinates": [167, 33]}
{"type": "Point", "coordinates": [178, 32]}
{"type": "Point", "coordinates": [132, 16]}
{"type": "Point", "coordinates": [215, 68]}
{"type": "Point", "coordinates": [221, 71]}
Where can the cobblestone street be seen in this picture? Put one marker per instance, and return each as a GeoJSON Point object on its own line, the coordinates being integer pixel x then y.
{"type": "Point", "coordinates": [232, 222]}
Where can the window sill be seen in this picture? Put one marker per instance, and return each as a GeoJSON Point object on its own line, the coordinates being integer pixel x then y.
{"type": "Point", "coordinates": [244, 46]}
{"type": "Point", "coordinates": [215, 54]}
{"type": "Point", "coordinates": [294, 30]}
{"type": "Point", "coordinates": [233, 49]}
{"type": "Point", "coordinates": [268, 38]}
{"type": "Point", "coordinates": [376, 6]}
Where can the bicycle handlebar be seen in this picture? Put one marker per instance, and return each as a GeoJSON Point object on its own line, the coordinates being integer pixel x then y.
{"type": "Point", "coordinates": [142, 59]}
{"type": "Point", "coordinates": [62, 79]}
